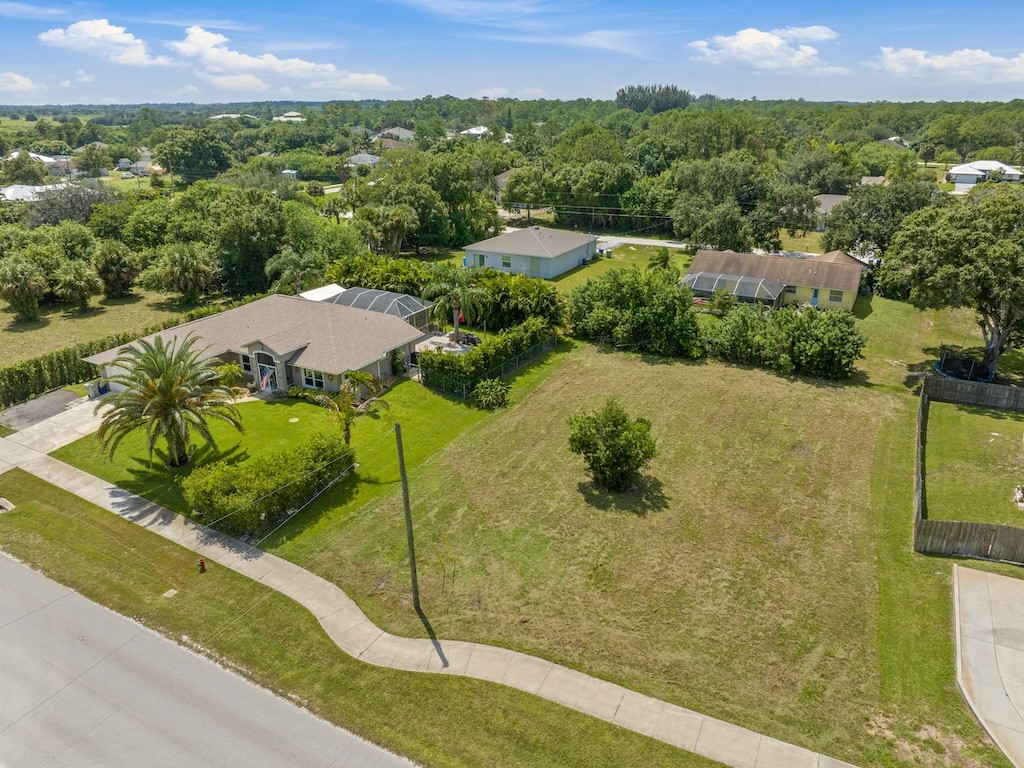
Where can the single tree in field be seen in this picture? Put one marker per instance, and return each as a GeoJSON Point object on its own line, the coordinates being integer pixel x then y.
{"type": "Point", "coordinates": [77, 281]}
{"type": "Point", "coordinates": [186, 268]}
{"type": "Point", "coordinates": [451, 292]}
{"type": "Point", "coordinates": [347, 404]}
{"type": "Point", "coordinates": [614, 448]}
{"type": "Point", "coordinates": [170, 394]}
{"type": "Point", "coordinates": [117, 267]}
{"type": "Point", "coordinates": [967, 254]}
{"type": "Point", "coordinates": [659, 259]}
{"type": "Point", "coordinates": [23, 284]}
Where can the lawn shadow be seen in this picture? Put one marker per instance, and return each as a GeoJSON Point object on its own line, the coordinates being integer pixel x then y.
{"type": "Point", "coordinates": [120, 301]}
{"type": "Point", "coordinates": [647, 495]}
{"type": "Point", "coordinates": [76, 313]}
{"type": "Point", "coordinates": [17, 325]}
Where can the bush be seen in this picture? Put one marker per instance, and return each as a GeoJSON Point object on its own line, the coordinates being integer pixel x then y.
{"type": "Point", "coordinates": [250, 496]}
{"type": "Point", "coordinates": [639, 311]}
{"type": "Point", "coordinates": [823, 343]}
{"type": "Point", "coordinates": [454, 372]}
{"type": "Point", "coordinates": [491, 394]}
{"type": "Point", "coordinates": [614, 448]}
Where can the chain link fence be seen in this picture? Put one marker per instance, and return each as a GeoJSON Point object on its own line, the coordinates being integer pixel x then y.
{"type": "Point", "coordinates": [464, 389]}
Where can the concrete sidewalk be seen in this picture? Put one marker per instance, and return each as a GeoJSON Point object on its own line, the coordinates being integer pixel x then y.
{"type": "Point", "coordinates": [71, 424]}
{"type": "Point", "coordinates": [989, 616]}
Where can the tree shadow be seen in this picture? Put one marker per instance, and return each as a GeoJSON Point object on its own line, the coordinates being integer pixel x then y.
{"type": "Point", "coordinates": [119, 301]}
{"type": "Point", "coordinates": [646, 495]}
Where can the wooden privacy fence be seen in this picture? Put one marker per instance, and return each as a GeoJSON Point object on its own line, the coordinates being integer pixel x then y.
{"type": "Point", "coordinates": [983, 541]}
{"type": "Point", "coordinates": [974, 393]}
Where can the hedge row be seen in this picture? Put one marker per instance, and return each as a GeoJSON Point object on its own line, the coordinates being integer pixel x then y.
{"type": "Point", "coordinates": [20, 381]}
{"type": "Point", "coordinates": [250, 496]}
{"type": "Point", "coordinates": [467, 369]}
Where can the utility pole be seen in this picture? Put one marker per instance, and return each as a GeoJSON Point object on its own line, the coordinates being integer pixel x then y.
{"type": "Point", "coordinates": [408, 519]}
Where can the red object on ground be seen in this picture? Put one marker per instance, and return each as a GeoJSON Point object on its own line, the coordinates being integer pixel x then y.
{"type": "Point", "coordinates": [202, 565]}
{"type": "Point", "coordinates": [462, 319]}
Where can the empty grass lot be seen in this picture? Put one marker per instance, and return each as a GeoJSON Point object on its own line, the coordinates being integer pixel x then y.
{"type": "Point", "coordinates": [438, 721]}
{"type": "Point", "coordinates": [762, 573]}
{"type": "Point", "coordinates": [974, 460]}
{"type": "Point", "coordinates": [61, 326]}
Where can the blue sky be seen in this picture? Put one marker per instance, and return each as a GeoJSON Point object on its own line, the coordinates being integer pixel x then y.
{"type": "Point", "coordinates": [106, 51]}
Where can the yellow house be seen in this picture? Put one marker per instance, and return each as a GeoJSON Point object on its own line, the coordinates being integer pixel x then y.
{"type": "Point", "coordinates": [826, 281]}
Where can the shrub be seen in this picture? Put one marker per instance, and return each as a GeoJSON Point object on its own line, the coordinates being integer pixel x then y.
{"type": "Point", "coordinates": [614, 448]}
{"type": "Point", "coordinates": [464, 371]}
{"type": "Point", "coordinates": [491, 394]}
{"type": "Point", "coordinates": [249, 496]}
{"type": "Point", "coordinates": [640, 311]}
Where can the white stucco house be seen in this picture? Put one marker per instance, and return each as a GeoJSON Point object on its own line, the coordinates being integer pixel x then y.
{"type": "Point", "coordinates": [981, 171]}
{"type": "Point", "coordinates": [281, 341]}
{"type": "Point", "coordinates": [534, 251]}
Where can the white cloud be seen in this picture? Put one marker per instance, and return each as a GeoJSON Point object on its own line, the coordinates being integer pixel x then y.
{"type": "Point", "coordinates": [968, 65]}
{"type": "Point", "coordinates": [81, 76]}
{"type": "Point", "coordinates": [211, 50]}
{"type": "Point", "coordinates": [498, 92]}
{"type": "Point", "coordinates": [222, 65]}
{"type": "Point", "coordinates": [480, 11]}
{"type": "Point", "coordinates": [601, 39]}
{"type": "Point", "coordinates": [815, 32]}
{"type": "Point", "coordinates": [775, 50]}
{"type": "Point", "coordinates": [27, 11]}
{"type": "Point", "coordinates": [12, 82]}
{"type": "Point", "coordinates": [240, 82]}
{"type": "Point", "coordinates": [100, 38]}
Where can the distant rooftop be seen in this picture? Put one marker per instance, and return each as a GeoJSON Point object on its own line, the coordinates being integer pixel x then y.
{"type": "Point", "coordinates": [533, 241]}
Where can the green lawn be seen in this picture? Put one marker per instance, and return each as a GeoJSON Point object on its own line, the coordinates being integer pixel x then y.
{"type": "Point", "coordinates": [438, 721]}
{"type": "Point", "coordinates": [114, 181]}
{"type": "Point", "coordinates": [5, 431]}
{"type": "Point", "coordinates": [974, 460]}
{"type": "Point", "coordinates": [61, 326]}
{"type": "Point", "coordinates": [807, 242]}
{"type": "Point", "coordinates": [748, 593]}
{"type": "Point", "coordinates": [268, 428]}
{"type": "Point", "coordinates": [621, 256]}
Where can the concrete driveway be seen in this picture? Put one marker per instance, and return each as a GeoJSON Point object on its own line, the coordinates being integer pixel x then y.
{"type": "Point", "coordinates": [83, 686]}
{"type": "Point", "coordinates": [990, 654]}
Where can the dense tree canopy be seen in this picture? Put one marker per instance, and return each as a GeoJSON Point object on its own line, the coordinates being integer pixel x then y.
{"type": "Point", "coordinates": [968, 254]}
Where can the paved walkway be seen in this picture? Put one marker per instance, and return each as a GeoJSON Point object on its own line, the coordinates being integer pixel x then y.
{"type": "Point", "coordinates": [355, 634]}
{"type": "Point", "coordinates": [990, 654]}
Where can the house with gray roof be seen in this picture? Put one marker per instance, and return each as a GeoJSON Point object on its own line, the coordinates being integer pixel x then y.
{"type": "Point", "coordinates": [534, 251]}
{"type": "Point", "coordinates": [363, 158]}
{"type": "Point", "coordinates": [402, 134]}
{"type": "Point", "coordinates": [281, 341]}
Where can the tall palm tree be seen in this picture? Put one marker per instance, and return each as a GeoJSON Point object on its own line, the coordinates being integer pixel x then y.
{"type": "Point", "coordinates": [451, 291]}
{"type": "Point", "coordinates": [169, 393]}
{"type": "Point", "coordinates": [294, 268]}
{"type": "Point", "coordinates": [347, 404]}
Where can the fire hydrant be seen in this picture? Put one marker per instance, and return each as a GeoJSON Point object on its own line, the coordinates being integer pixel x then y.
{"type": "Point", "coordinates": [202, 565]}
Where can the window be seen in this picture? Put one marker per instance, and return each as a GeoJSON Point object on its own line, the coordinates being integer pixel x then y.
{"type": "Point", "coordinates": [246, 363]}
{"type": "Point", "coordinates": [314, 379]}
{"type": "Point", "coordinates": [791, 289]}
{"type": "Point", "coordinates": [506, 262]}
{"type": "Point", "coordinates": [835, 296]}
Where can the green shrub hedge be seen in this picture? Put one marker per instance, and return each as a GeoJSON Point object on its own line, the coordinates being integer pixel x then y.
{"type": "Point", "coordinates": [464, 371]}
{"type": "Point", "coordinates": [251, 495]}
{"type": "Point", "coordinates": [20, 381]}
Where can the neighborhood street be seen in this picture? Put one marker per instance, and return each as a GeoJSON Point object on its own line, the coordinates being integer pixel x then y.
{"type": "Point", "coordinates": [83, 686]}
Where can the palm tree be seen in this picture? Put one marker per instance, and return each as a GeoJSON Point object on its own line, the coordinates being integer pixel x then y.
{"type": "Point", "coordinates": [23, 284]}
{"type": "Point", "coordinates": [451, 291]}
{"type": "Point", "coordinates": [169, 393]}
{"type": "Point", "coordinates": [294, 268]}
{"type": "Point", "coordinates": [77, 281]}
{"type": "Point", "coordinates": [347, 404]}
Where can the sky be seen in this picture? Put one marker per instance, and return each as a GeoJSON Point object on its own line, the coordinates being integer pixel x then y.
{"type": "Point", "coordinates": [110, 51]}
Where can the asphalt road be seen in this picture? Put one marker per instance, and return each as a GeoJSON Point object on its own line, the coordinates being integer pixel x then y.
{"type": "Point", "coordinates": [82, 686]}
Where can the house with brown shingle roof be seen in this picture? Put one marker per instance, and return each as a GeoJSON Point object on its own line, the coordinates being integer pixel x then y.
{"type": "Point", "coordinates": [827, 280]}
{"type": "Point", "coordinates": [289, 340]}
{"type": "Point", "coordinates": [534, 251]}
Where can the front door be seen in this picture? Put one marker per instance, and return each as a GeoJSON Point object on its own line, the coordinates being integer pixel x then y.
{"type": "Point", "coordinates": [266, 370]}
{"type": "Point", "coordinates": [814, 297]}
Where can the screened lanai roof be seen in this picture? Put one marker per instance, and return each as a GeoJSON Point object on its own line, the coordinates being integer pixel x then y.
{"type": "Point", "coordinates": [387, 302]}
{"type": "Point", "coordinates": [750, 288]}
